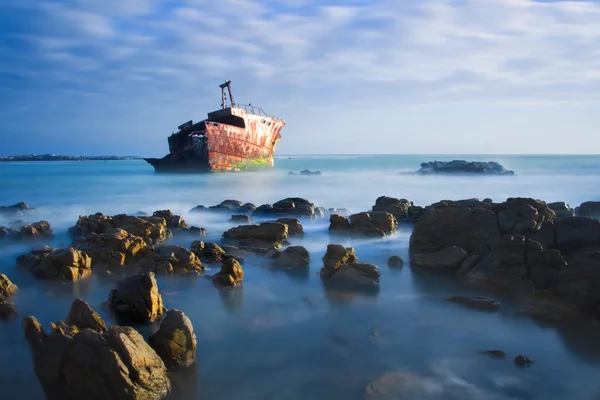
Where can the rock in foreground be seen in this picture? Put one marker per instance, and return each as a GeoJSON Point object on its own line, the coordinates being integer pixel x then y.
{"type": "Point", "coordinates": [463, 167]}
{"type": "Point", "coordinates": [137, 299]}
{"type": "Point", "coordinates": [175, 341]}
{"type": "Point", "coordinates": [7, 290]}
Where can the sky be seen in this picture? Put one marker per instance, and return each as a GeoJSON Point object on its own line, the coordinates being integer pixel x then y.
{"type": "Point", "coordinates": [98, 77]}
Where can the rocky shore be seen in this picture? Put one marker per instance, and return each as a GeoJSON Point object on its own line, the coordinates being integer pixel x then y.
{"type": "Point", "coordinates": [545, 253]}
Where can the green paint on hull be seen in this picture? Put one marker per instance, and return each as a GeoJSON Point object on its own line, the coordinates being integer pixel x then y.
{"type": "Point", "coordinates": [248, 165]}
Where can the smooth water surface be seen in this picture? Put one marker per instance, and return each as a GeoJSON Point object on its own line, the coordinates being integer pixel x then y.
{"type": "Point", "coordinates": [283, 336]}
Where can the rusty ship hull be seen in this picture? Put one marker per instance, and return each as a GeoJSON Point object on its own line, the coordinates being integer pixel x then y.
{"type": "Point", "coordinates": [233, 138]}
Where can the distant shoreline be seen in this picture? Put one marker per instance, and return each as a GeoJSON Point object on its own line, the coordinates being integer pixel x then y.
{"type": "Point", "coordinates": [59, 157]}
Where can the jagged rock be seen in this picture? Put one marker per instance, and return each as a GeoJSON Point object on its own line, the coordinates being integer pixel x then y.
{"type": "Point", "coordinates": [69, 264]}
{"type": "Point", "coordinates": [82, 316]}
{"type": "Point", "coordinates": [473, 229]}
{"type": "Point", "coordinates": [395, 262]}
{"type": "Point", "coordinates": [517, 259]}
{"type": "Point", "coordinates": [116, 364]}
{"type": "Point", "coordinates": [137, 299]}
{"type": "Point", "coordinates": [112, 248]}
{"type": "Point", "coordinates": [175, 341]}
{"type": "Point", "coordinates": [522, 216]}
{"type": "Point", "coordinates": [173, 221]}
{"type": "Point", "coordinates": [7, 288]}
{"type": "Point", "coordinates": [152, 229]}
{"type": "Point", "coordinates": [397, 207]}
{"type": "Point", "coordinates": [340, 266]}
{"type": "Point", "coordinates": [561, 209]}
{"type": "Point", "coordinates": [231, 274]}
{"type": "Point", "coordinates": [180, 259]}
{"type": "Point", "coordinates": [294, 207]}
{"type": "Point", "coordinates": [208, 252]}
{"type": "Point", "coordinates": [36, 230]}
{"type": "Point", "coordinates": [15, 210]}
{"type": "Point", "coordinates": [450, 258]}
{"type": "Point", "coordinates": [477, 302]}
{"type": "Point", "coordinates": [294, 226]}
{"type": "Point", "coordinates": [242, 219]}
{"type": "Point", "coordinates": [588, 209]}
{"type": "Point", "coordinates": [267, 234]}
{"type": "Point", "coordinates": [292, 258]}
{"type": "Point", "coordinates": [463, 167]}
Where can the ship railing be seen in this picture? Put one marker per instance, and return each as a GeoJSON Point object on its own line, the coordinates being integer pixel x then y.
{"type": "Point", "coordinates": [255, 110]}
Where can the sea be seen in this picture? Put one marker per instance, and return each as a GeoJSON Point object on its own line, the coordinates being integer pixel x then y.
{"type": "Point", "coordinates": [283, 336]}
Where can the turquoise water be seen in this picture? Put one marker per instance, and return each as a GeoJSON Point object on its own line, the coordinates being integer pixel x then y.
{"type": "Point", "coordinates": [287, 337]}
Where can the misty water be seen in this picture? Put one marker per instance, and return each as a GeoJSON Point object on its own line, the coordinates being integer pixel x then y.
{"type": "Point", "coordinates": [283, 336]}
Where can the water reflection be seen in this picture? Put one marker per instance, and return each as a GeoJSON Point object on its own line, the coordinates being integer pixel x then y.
{"type": "Point", "coordinates": [231, 297]}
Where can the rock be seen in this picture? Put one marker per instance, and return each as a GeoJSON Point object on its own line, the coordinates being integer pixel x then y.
{"type": "Point", "coordinates": [294, 206]}
{"type": "Point", "coordinates": [112, 248]}
{"type": "Point", "coordinates": [83, 317]}
{"type": "Point", "coordinates": [173, 221]}
{"type": "Point", "coordinates": [521, 360]}
{"type": "Point", "coordinates": [494, 353]}
{"type": "Point", "coordinates": [522, 216]}
{"type": "Point", "coordinates": [579, 284]}
{"type": "Point", "coordinates": [471, 203]}
{"type": "Point", "coordinates": [175, 341]}
{"type": "Point", "coordinates": [137, 299]}
{"type": "Point", "coordinates": [151, 229]}
{"type": "Point", "coordinates": [463, 167]}
{"type": "Point", "coordinates": [340, 266]}
{"type": "Point", "coordinates": [338, 223]}
{"type": "Point", "coordinates": [267, 234]}
{"type": "Point", "coordinates": [7, 310]}
{"type": "Point", "coordinates": [68, 264]}
{"type": "Point", "coordinates": [414, 213]}
{"type": "Point", "coordinates": [7, 288]}
{"type": "Point", "coordinates": [265, 209]}
{"type": "Point", "coordinates": [475, 230]}
{"type": "Point", "coordinates": [450, 258]}
{"type": "Point", "coordinates": [336, 256]}
{"type": "Point", "coordinates": [231, 274]}
{"type": "Point", "coordinates": [338, 211]}
{"type": "Point", "coordinates": [181, 259]}
{"type": "Point", "coordinates": [517, 259]}
{"type": "Point", "coordinates": [15, 210]}
{"type": "Point", "coordinates": [376, 223]}
{"type": "Point", "coordinates": [242, 219]}
{"type": "Point", "coordinates": [293, 257]}
{"type": "Point", "coordinates": [397, 207]}
{"type": "Point", "coordinates": [198, 209]}
{"type": "Point", "coordinates": [294, 226]}
{"type": "Point", "coordinates": [116, 364]}
{"type": "Point", "coordinates": [226, 206]}
{"type": "Point", "coordinates": [292, 173]}
{"type": "Point", "coordinates": [561, 209]}
{"type": "Point", "coordinates": [477, 302]}
{"type": "Point", "coordinates": [395, 262]}
{"type": "Point", "coordinates": [210, 253]}
{"type": "Point", "coordinates": [307, 172]}
{"type": "Point", "coordinates": [36, 230]}
{"type": "Point", "coordinates": [588, 209]}
{"type": "Point", "coordinates": [197, 231]}
{"type": "Point", "coordinates": [573, 233]}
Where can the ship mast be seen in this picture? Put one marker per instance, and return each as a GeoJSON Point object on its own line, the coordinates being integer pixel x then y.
{"type": "Point", "coordinates": [224, 94]}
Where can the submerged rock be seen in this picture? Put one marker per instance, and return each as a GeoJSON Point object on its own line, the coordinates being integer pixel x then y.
{"type": "Point", "coordinates": [463, 167]}
{"type": "Point", "coordinates": [521, 360]}
{"type": "Point", "coordinates": [241, 219]}
{"type": "Point", "coordinates": [477, 302]}
{"type": "Point", "coordinates": [116, 364]}
{"type": "Point", "coordinates": [49, 263]}
{"type": "Point", "coordinates": [395, 262]}
{"type": "Point", "coordinates": [16, 210]}
{"type": "Point", "coordinates": [137, 299]}
{"type": "Point", "coordinates": [175, 341]}
{"type": "Point", "coordinates": [231, 274]}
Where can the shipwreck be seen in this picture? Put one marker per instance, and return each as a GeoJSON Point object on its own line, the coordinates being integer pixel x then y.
{"type": "Point", "coordinates": [236, 137]}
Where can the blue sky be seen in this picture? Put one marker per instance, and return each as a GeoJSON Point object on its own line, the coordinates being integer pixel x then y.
{"type": "Point", "coordinates": [355, 76]}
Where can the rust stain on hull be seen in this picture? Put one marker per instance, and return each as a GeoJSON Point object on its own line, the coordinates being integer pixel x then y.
{"type": "Point", "coordinates": [234, 138]}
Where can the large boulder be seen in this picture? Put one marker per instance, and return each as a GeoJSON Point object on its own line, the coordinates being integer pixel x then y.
{"type": "Point", "coordinates": [588, 209]}
{"type": "Point", "coordinates": [112, 248]}
{"type": "Point", "coordinates": [175, 341]}
{"type": "Point", "coordinates": [49, 263]}
{"type": "Point", "coordinates": [294, 226]}
{"type": "Point", "coordinates": [399, 208]}
{"type": "Point", "coordinates": [116, 364]}
{"type": "Point", "coordinates": [522, 216]}
{"type": "Point", "coordinates": [292, 258]}
{"type": "Point", "coordinates": [137, 299]}
{"type": "Point", "coordinates": [178, 259]}
{"type": "Point", "coordinates": [475, 230]}
{"type": "Point", "coordinates": [516, 260]}
{"type": "Point", "coordinates": [231, 274]}
{"type": "Point", "coordinates": [267, 234]}
{"type": "Point", "coordinates": [151, 229]}
{"type": "Point", "coordinates": [450, 259]}
{"type": "Point", "coordinates": [340, 267]}
{"type": "Point", "coordinates": [7, 290]}
{"type": "Point", "coordinates": [82, 316]}
{"type": "Point", "coordinates": [294, 206]}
